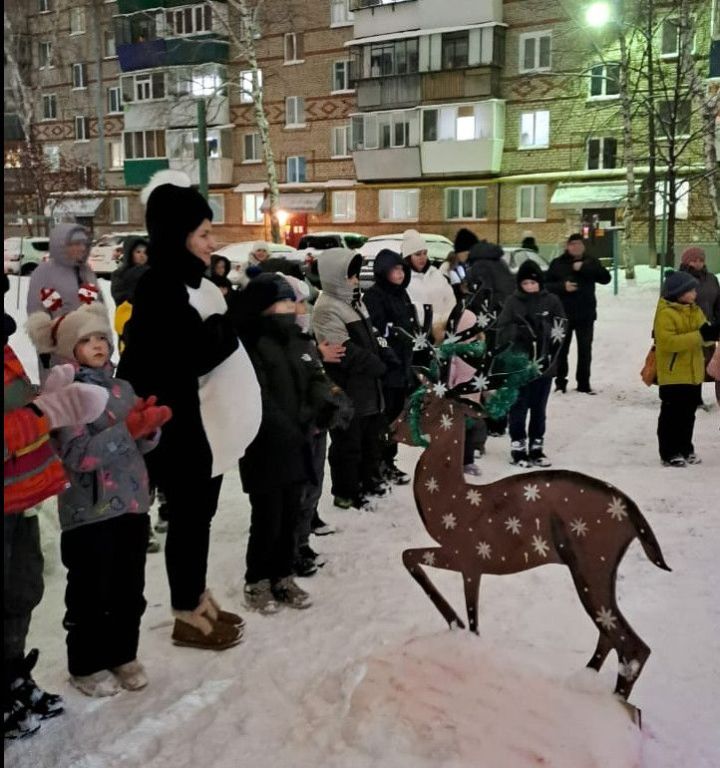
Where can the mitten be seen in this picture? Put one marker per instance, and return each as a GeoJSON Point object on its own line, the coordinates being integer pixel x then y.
{"type": "Point", "coordinates": [74, 403]}
{"type": "Point", "coordinates": [143, 420]}
{"type": "Point", "coordinates": [60, 376]}
{"type": "Point", "coordinates": [710, 331]}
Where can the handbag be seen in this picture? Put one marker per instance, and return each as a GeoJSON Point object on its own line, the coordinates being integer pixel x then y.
{"type": "Point", "coordinates": [649, 370]}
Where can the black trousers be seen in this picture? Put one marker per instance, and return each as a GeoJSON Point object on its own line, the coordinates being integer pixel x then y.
{"type": "Point", "coordinates": [190, 509]}
{"type": "Point", "coordinates": [584, 336]}
{"type": "Point", "coordinates": [533, 397]}
{"type": "Point", "coordinates": [678, 403]}
{"type": "Point", "coordinates": [311, 492]}
{"type": "Point", "coordinates": [355, 455]}
{"type": "Point", "coordinates": [271, 543]}
{"type": "Point", "coordinates": [104, 596]}
{"type": "Point", "coordinates": [23, 584]}
{"type": "Point", "coordinates": [394, 403]}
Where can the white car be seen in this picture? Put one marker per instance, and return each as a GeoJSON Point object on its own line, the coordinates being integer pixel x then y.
{"type": "Point", "coordinates": [315, 243]}
{"type": "Point", "coordinates": [438, 247]}
{"type": "Point", "coordinates": [23, 254]}
{"type": "Point", "coordinates": [514, 257]}
{"type": "Point", "coordinates": [107, 253]}
{"type": "Point", "coordinates": [238, 254]}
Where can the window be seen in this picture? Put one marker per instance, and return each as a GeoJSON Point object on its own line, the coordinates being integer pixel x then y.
{"type": "Point", "coordinates": [142, 144]}
{"type": "Point", "coordinates": [292, 47]}
{"type": "Point", "coordinates": [466, 203]}
{"type": "Point", "coordinates": [82, 128]}
{"type": "Point", "coordinates": [253, 147]}
{"type": "Point", "coordinates": [534, 129]}
{"type": "Point", "coordinates": [394, 58]}
{"type": "Point", "coordinates": [455, 50]}
{"type": "Point", "coordinates": [205, 84]}
{"type": "Point", "coordinates": [49, 106]}
{"type": "Point", "coordinates": [674, 118]}
{"type": "Point", "coordinates": [601, 153]}
{"type": "Point", "coordinates": [458, 123]}
{"type": "Point", "coordinates": [114, 100]}
{"type": "Point", "coordinates": [340, 76]}
{"type": "Point", "coordinates": [119, 211]}
{"type": "Point", "coordinates": [343, 206]}
{"type": "Point", "coordinates": [52, 157]}
{"type": "Point", "coordinates": [670, 37]}
{"type": "Point", "coordinates": [249, 80]}
{"type": "Point", "coordinates": [381, 130]}
{"type": "Point", "coordinates": [217, 206]}
{"type": "Point", "coordinates": [109, 44]}
{"type": "Point", "coordinates": [77, 21]}
{"type": "Point", "coordinates": [532, 203]}
{"type": "Point", "coordinates": [79, 76]}
{"type": "Point", "coordinates": [143, 87]}
{"type": "Point", "coordinates": [341, 141]}
{"type": "Point", "coordinates": [535, 52]}
{"type": "Point", "coordinates": [115, 153]}
{"type": "Point", "coordinates": [296, 169]}
{"type": "Point", "coordinates": [189, 20]}
{"type": "Point", "coordinates": [294, 111]}
{"type": "Point", "coordinates": [340, 13]}
{"type": "Point", "coordinates": [682, 198]}
{"type": "Point", "coordinates": [45, 54]}
{"type": "Point", "coordinates": [252, 204]}
{"type": "Point", "coordinates": [605, 81]}
{"type": "Point", "coordinates": [399, 204]}
{"type": "Point", "coordinates": [43, 6]}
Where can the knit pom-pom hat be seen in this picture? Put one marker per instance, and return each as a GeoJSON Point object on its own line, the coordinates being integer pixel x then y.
{"type": "Point", "coordinates": [692, 253]}
{"type": "Point", "coordinates": [677, 283]}
{"type": "Point", "coordinates": [464, 240]}
{"type": "Point", "coordinates": [61, 335]}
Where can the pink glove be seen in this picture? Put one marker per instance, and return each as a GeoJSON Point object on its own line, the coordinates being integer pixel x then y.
{"type": "Point", "coordinates": [66, 402]}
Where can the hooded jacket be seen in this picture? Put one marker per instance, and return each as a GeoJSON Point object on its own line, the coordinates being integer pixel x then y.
{"type": "Point", "coordinates": [487, 272]}
{"type": "Point", "coordinates": [581, 305]}
{"type": "Point", "coordinates": [394, 317]}
{"type": "Point", "coordinates": [678, 343]}
{"type": "Point", "coordinates": [125, 278]}
{"type": "Point", "coordinates": [340, 317]}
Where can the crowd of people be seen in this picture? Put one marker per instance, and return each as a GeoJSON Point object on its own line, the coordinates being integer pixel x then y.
{"type": "Point", "coordinates": [322, 379]}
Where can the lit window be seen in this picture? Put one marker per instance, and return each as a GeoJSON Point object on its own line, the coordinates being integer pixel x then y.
{"type": "Point", "coordinates": [343, 206]}
{"type": "Point", "coordinates": [252, 204]}
{"type": "Point", "coordinates": [399, 204]}
{"type": "Point", "coordinates": [249, 80]}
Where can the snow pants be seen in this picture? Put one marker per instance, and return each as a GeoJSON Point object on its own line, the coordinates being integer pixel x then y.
{"type": "Point", "coordinates": [584, 336]}
{"type": "Point", "coordinates": [532, 397]}
{"type": "Point", "coordinates": [311, 491]}
{"type": "Point", "coordinates": [355, 455]}
{"type": "Point", "coordinates": [678, 403]}
{"type": "Point", "coordinates": [104, 595]}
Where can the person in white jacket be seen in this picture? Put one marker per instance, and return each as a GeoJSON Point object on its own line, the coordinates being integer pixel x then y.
{"type": "Point", "coordinates": [427, 284]}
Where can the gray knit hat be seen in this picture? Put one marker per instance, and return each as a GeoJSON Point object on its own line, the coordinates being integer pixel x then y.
{"type": "Point", "coordinates": [677, 283]}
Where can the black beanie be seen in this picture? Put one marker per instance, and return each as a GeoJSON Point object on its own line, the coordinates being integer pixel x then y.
{"type": "Point", "coordinates": [529, 270]}
{"type": "Point", "coordinates": [576, 236]}
{"type": "Point", "coordinates": [265, 290]}
{"type": "Point", "coordinates": [464, 240]}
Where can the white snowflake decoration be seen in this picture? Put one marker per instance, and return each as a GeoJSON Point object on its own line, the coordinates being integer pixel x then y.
{"type": "Point", "coordinates": [429, 558]}
{"type": "Point", "coordinates": [579, 527]}
{"type": "Point", "coordinates": [420, 341]}
{"type": "Point", "coordinates": [480, 382]}
{"type": "Point", "coordinates": [440, 389]}
{"type": "Point", "coordinates": [474, 497]}
{"type": "Point", "coordinates": [451, 338]}
{"type": "Point", "coordinates": [616, 509]}
{"type": "Point", "coordinates": [484, 319]}
{"type": "Point", "coordinates": [532, 492]}
{"type": "Point", "coordinates": [446, 421]}
{"type": "Point", "coordinates": [540, 546]}
{"type": "Point", "coordinates": [449, 521]}
{"type": "Point", "coordinates": [557, 332]}
{"type": "Point", "coordinates": [513, 525]}
{"type": "Point", "coordinates": [629, 669]}
{"type": "Point", "coordinates": [432, 485]}
{"type": "Point", "coordinates": [484, 550]}
{"type": "Point", "coordinates": [606, 618]}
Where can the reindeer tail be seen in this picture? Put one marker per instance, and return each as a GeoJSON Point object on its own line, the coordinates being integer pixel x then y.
{"type": "Point", "coordinates": [646, 536]}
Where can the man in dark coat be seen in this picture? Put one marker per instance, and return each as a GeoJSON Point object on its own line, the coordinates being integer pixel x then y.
{"type": "Point", "coordinates": [394, 317]}
{"type": "Point", "coordinates": [572, 276]}
{"type": "Point", "coordinates": [488, 276]}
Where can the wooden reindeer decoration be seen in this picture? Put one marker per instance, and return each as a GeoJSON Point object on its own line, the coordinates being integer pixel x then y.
{"type": "Point", "coordinates": [520, 522]}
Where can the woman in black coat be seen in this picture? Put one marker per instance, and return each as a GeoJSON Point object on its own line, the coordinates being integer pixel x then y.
{"type": "Point", "coordinates": [125, 278]}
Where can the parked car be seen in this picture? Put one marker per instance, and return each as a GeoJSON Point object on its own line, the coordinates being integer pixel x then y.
{"type": "Point", "coordinates": [438, 247]}
{"type": "Point", "coordinates": [23, 254]}
{"type": "Point", "coordinates": [107, 253]}
{"type": "Point", "coordinates": [314, 243]}
{"type": "Point", "coordinates": [238, 254]}
{"type": "Point", "coordinates": [514, 257]}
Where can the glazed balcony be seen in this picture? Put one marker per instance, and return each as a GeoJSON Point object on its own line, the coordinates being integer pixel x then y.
{"type": "Point", "coordinates": [152, 54]}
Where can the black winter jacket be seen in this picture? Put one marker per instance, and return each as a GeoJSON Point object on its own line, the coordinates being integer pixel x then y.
{"type": "Point", "coordinates": [708, 292]}
{"type": "Point", "coordinates": [581, 305]}
{"type": "Point", "coordinates": [125, 278]}
{"type": "Point", "coordinates": [489, 274]}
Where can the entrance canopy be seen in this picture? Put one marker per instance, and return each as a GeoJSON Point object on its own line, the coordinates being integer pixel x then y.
{"type": "Point", "coordinates": [298, 202]}
{"type": "Point", "coordinates": [82, 207]}
{"type": "Point", "coordinates": [610, 195]}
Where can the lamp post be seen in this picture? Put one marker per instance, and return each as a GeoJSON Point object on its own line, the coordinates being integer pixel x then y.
{"type": "Point", "coordinates": [202, 147]}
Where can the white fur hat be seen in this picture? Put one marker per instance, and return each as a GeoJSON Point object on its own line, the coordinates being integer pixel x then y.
{"type": "Point", "coordinates": [61, 335]}
{"type": "Point", "coordinates": [300, 287]}
{"type": "Point", "coordinates": [412, 242]}
{"type": "Point", "coordinates": [260, 245]}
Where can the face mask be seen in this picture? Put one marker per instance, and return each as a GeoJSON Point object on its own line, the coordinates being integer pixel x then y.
{"type": "Point", "coordinates": [303, 321]}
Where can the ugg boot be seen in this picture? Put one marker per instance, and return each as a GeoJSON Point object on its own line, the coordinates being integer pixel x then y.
{"type": "Point", "coordinates": [131, 675]}
{"type": "Point", "coordinates": [99, 684]}
{"type": "Point", "coordinates": [518, 453]}
{"type": "Point", "coordinates": [213, 611]}
{"type": "Point", "coordinates": [194, 629]}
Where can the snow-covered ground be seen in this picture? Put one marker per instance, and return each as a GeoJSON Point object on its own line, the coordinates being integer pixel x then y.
{"type": "Point", "coordinates": [370, 676]}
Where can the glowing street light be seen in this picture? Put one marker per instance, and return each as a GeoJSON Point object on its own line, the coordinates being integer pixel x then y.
{"type": "Point", "coordinates": [598, 14]}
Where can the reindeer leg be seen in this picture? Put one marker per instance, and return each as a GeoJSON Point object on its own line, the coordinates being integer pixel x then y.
{"type": "Point", "coordinates": [413, 560]}
{"type": "Point", "coordinates": [604, 646]}
{"type": "Point", "coordinates": [471, 583]}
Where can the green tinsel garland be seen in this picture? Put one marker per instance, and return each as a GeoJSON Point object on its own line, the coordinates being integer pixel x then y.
{"type": "Point", "coordinates": [414, 416]}
{"type": "Point", "coordinates": [519, 370]}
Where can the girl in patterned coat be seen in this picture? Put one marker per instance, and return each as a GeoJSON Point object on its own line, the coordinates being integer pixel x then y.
{"type": "Point", "coordinates": [103, 514]}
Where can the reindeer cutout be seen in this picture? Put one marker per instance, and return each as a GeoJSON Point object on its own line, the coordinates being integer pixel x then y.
{"type": "Point", "coordinates": [520, 522]}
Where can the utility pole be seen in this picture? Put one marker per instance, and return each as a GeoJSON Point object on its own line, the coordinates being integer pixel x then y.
{"type": "Point", "coordinates": [202, 154]}
{"type": "Point", "coordinates": [99, 101]}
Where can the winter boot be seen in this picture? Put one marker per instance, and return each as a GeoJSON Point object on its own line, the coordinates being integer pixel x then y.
{"type": "Point", "coordinates": [306, 551]}
{"type": "Point", "coordinates": [364, 504]}
{"type": "Point", "coordinates": [18, 721]}
{"type": "Point", "coordinates": [518, 454]}
{"type": "Point", "coordinates": [472, 469]}
{"type": "Point", "coordinates": [286, 591]}
{"type": "Point", "coordinates": [211, 608]}
{"type": "Point", "coordinates": [536, 455]}
{"type": "Point", "coordinates": [675, 461]}
{"type": "Point", "coordinates": [395, 476]}
{"type": "Point", "coordinates": [26, 691]}
{"type": "Point", "coordinates": [305, 567]}
{"type": "Point", "coordinates": [375, 488]}
{"type": "Point", "coordinates": [132, 675]}
{"type": "Point", "coordinates": [342, 502]}
{"type": "Point", "coordinates": [193, 629]}
{"type": "Point", "coordinates": [99, 684]}
{"type": "Point", "coordinates": [320, 527]}
{"type": "Point", "coordinates": [259, 597]}
{"type": "Point", "coordinates": [693, 458]}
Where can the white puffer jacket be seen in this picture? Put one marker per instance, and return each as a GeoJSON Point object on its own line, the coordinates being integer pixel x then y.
{"type": "Point", "coordinates": [432, 288]}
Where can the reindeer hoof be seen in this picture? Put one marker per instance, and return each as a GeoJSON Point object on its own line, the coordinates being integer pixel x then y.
{"type": "Point", "coordinates": [456, 624]}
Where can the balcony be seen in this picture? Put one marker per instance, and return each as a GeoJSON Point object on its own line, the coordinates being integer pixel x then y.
{"type": "Point", "coordinates": [220, 169]}
{"type": "Point", "coordinates": [138, 172]}
{"type": "Point", "coordinates": [393, 92]}
{"type": "Point", "coordinates": [391, 163]}
{"type": "Point", "coordinates": [133, 6]}
{"type": "Point", "coordinates": [478, 82]}
{"type": "Point", "coordinates": [359, 5]}
{"type": "Point", "coordinates": [175, 111]}
{"type": "Point", "coordinates": [152, 54]}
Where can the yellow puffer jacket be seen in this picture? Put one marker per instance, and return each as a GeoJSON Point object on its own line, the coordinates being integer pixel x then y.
{"type": "Point", "coordinates": [678, 343]}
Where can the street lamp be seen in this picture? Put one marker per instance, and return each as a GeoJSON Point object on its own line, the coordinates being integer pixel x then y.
{"type": "Point", "coordinates": [598, 14]}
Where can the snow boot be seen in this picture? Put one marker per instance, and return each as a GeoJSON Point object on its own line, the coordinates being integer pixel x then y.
{"type": "Point", "coordinates": [395, 476]}
{"type": "Point", "coordinates": [212, 609]}
{"type": "Point", "coordinates": [259, 597]}
{"type": "Point", "coordinates": [693, 458]}
{"type": "Point", "coordinates": [675, 461]}
{"type": "Point", "coordinates": [375, 488]}
{"type": "Point", "coordinates": [320, 527]}
{"type": "Point", "coordinates": [18, 721]}
{"type": "Point", "coordinates": [518, 454]}
{"type": "Point", "coordinates": [307, 552]}
{"type": "Point", "coordinates": [99, 684]}
{"type": "Point", "coordinates": [287, 592]}
{"type": "Point", "coordinates": [472, 469]}
{"type": "Point", "coordinates": [305, 567]}
{"type": "Point", "coordinates": [537, 456]}
{"type": "Point", "coordinates": [342, 502]}
{"type": "Point", "coordinates": [131, 675]}
{"type": "Point", "coordinates": [193, 629]}
{"type": "Point", "coordinates": [26, 691]}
